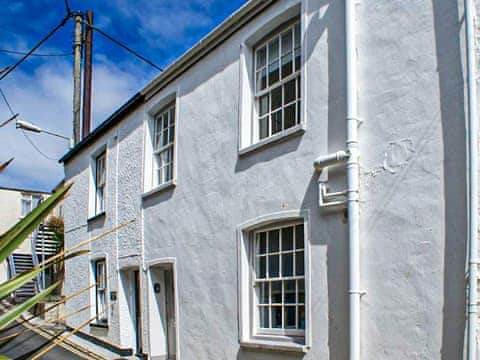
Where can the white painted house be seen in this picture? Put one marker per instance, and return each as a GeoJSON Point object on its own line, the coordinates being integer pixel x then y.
{"type": "Point", "coordinates": [234, 245]}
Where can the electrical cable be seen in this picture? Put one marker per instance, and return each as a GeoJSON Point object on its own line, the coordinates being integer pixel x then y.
{"type": "Point", "coordinates": [6, 102]}
{"type": "Point", "coordinates": [48, 36]}
{"type": "Point", "coordinates": [67, 7]}
{"type": "Point", "coordinates": [24, 53]}
{"type": "Point", "coordinates": [36, 147]}
{"type": "Point", "coordinates": [125, 47]}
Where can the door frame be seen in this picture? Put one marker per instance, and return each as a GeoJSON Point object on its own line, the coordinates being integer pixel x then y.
{"type": "Point", "coordinates": [173, 263]}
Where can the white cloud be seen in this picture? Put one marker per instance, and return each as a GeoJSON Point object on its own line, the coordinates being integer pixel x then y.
{"type": "Point", "coordinates": [44, 98]}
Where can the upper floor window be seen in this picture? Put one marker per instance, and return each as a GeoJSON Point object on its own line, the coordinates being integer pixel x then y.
{"type": "Point", "coordinates": [277, 81]}
{"type": "Point", "coordinates": [163, 138]}
{"type": "Point", "coordinates": [100, 181]}
{"type": "Point", "coordinates": [29, 202]}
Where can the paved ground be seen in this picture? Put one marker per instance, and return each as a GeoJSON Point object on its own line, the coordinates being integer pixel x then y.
{"type": "Point", "coordinates": [22, 347]}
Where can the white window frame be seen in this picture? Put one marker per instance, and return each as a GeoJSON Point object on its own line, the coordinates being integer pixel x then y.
{"type": "Point", "coordinates": [276, 20]}
{"type": "Point", "coordinates": [250, 335]}
{"type": "Point", "coordinates": [294, 28]}
{"type": "Point", "coordinates": [93, 210]}
{"type": "Point", "coordinates": [29, 198]}
{"type": "Point", "coordinates": [103, 321]}
{"type": "Point", "coordinates": [100, 188]}
{"type": "Point", "coordinates": [158, 171]}
{"type": "Point", "coordinates": [150, 186]}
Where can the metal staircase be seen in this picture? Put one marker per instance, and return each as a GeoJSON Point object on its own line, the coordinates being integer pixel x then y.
{"type": "Point", "coordinates": [44, 245]}
{"type": "Point", "coordinates": [17, 264]}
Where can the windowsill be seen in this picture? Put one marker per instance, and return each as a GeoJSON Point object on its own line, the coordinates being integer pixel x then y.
{"type": "Point", "coordinates": [96, 216]}
{"type": "Point", "coordinates": [99, 325]}
{"type": "Point", "coordinates": [160, 188]}
{"type": "Point", "coordinates": [281, 136]}
{"type": "Point", "coordinates": [274, 345]}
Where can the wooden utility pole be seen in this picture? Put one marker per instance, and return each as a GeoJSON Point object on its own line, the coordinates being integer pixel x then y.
{"type": "Point", "coordinates": [77, 59]}
{"type": "Point", "coordinates": [87, 76]}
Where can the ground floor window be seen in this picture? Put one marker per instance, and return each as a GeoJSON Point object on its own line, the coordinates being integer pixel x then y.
{"type": "Point", "coordinates": [101, 291]}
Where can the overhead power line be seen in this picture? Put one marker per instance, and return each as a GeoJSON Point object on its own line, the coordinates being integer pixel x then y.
{"type": "Point", "coordinates": [6, 51]}
{"type": "Point", "coordinates": [133, 52]}
{"type": "Point", "coordinates": [29, 53]}
{"type": "Point", "coordinates": [6, 102]}
{"type": "Point", "coordinates": [36, 147]}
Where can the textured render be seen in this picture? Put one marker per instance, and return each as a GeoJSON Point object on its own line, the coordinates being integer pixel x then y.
{"type": "Point", "coordinates": [413, 196]}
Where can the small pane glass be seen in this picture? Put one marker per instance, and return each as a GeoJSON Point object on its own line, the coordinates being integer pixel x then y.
{"type": "Point", "coordinates": [301, 291]}
{"type": "Point", "coordinates": [287, 65]}
{"type": "Point", "coordinates": [261, 243]}
{"type": "Point", "coordinates": [299, 263]}
{"type": "Point", "coordinates": [277, 122]}
{"type": "Point", "coordinates": [171, 134]}
{"type": "Point", "coordinates": [263, 127]}
{"type": "Point", "coordinates": [264, 317]}
{"type": "Point", "coordinates": [290, 318]}
{"type": "Point", "coordinates": [289, 90]}
{"type": "Point", "coordinates": [172, 115]}
{"type": "Point", "coordinates": [287, 41]}
{"type": "Point", "coordinates": [298, 112]}
{"type": "Point", "coordinates": [273, 73]}
{"type": "Point", "coordinates": [261, 267]}
{"type": "Point", "coordinates": [276, 98]}
{"type": "Point", "coordinates": [287, 264]}
{"type": "Point", "coordinates": [299, 88]}
{"type": "Point", "coordinates": [261, 57]}
{"type": "Point", "coordinates": [301, 317]}
{"type": "Point", "coordinates": [276, 317]}
{"type": "Point", "coordinates": [273, 266]}
{"type": "Point", "coordinates": [263, 105]}
{"type": "Point", "coordinates": [165, 120]}
{"type": "Point", "coordinates": [287, 238]}
{"type": "Point", "coordinates": [290, 119]}
{"type": "Point", "coordinates": [299, 236]}
{"type": "Point", "coordinates": [273, 239]}
{"type": "Point", "coordinates": [276, 292]}
{"type": "Point", "coordinates": [297, 35]}
{"type": "Point", "coordinates": [164, 138]}
{"type": "Point", "coordinates": [273, 50]}
{"type": "Point", "coordinates": [298, 59]}
{"type": "Point", "coordinates": [261, 79]}
{"type": "Point", "coordinates": [289, 292]}
{"type": "Point", "coordinates": [262, 293]}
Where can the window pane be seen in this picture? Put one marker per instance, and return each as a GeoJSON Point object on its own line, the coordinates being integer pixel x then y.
{"type": "Point", "coordinates": [276, 317]}
{"type": "Point", "coordinates": [263, 108]}
{"type": "Point", "coordinates": [261, 79]}
{"type": "Point", "coordinates": [290, 314]}
{"type": "Point", "coordinates": [289, 291]}
{"type": "Point", "coordinates": [172, 115]}
{"type": "Point", "coordinates": [263, 127]}
{"type": "Point", "coordinates": [299, 88]}
{"type": "Point", "coordinates": [287, 41]}
{"type": "Point", "coordinates": [287, 65]}
{"type": "Point", "coordinates": [287, 238]}
{"type": "Point", "coordinates": [277, 122]}
{"type": "Point", "coordinates": [276, 292]}
{"type": "Point", "coordinates": [299, 263]}
{"type": "Point", "coordinates": [301, 317]}
{"type": "Point", "coordinates": [164, 137]}
{"type": "Point", "coordinates": [264, 317]}
{"type": "Point", "coordinates": [261, 267]}
{"type": "Point", "coordinates": [261, 57]}
{"type": "Point", "coordinates": [262, 289]}
{"type": "Point", "coordinates": [298, 112]}
{"type": "Point", "coordinates": [273, 239]}
{"type": "Point", "coordinates": [297, 59]}
{"type": "Point", "coordinates": [301, 291]}
{"type": "Point", "coordinates": [273, 73]}
{"type": "Point", "coordinates": [273, 50]}
{"type": "Point", "coordinates": [26, 204]}
{"type": "Point", "coordinates": [289, 92]}
{"type": "Point", "coordinates": [299, 237]}
{"type": "Point", "coordinates": [261, 243]}
{"type": "Point", "coordinates": [297, 35]}
{"type": "Point", "coordinates": [276, 98]}
{"type": "Point", "coordinates": [290, 118]}
{"type": "Point", "coordinates": [273, 266]}
{"type": "Point", "coordinates": [171, 134]}
{"type": "Point", "coordinates": [287, 264]}
{"type": "Point", "coordinates": [165, 120]}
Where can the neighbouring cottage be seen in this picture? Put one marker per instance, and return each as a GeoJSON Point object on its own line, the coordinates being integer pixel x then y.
{"type": "Point", "coordinates": [236, 250]}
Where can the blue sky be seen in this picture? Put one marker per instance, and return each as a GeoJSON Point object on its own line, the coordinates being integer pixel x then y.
{"type": "Point", "coordinates": [41, 88]}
